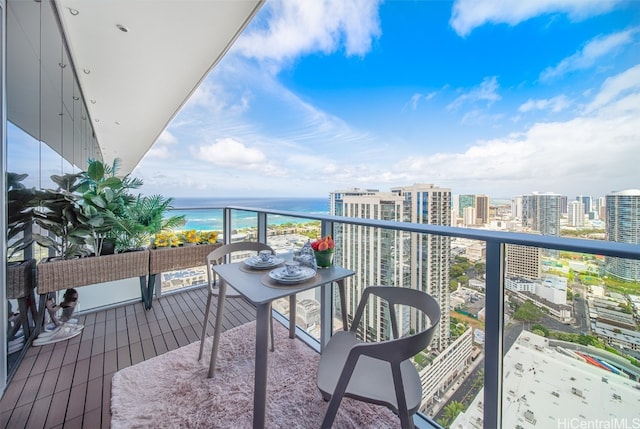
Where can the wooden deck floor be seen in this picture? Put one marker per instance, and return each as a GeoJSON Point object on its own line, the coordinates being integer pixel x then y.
{"type": "Point", "coordinates": [68, 384]}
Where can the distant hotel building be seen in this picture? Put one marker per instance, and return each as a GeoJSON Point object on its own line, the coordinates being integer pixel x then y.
{"type": "Point", "coordinates": [396, 258]}
{"type": "Point", "coordinates": [623, 225]}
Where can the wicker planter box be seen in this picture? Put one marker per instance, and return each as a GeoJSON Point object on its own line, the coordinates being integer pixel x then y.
{"type": "Point", "coordinates": [20, 279]}
{"type": "Point", "coordinates": [178, 258]}
{"type": "Point", "coordinates": [63, 274]}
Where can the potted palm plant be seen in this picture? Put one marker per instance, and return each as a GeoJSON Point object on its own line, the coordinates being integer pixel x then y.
{"type": "Point", "coordinates": [104, 200]}
{"type": "Point", "coordinates": [79, 215]}
{"type": "Point", "coordinates": [141, 220]}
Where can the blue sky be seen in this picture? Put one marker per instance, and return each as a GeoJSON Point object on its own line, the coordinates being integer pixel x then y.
{"type": "Point", "coordinates": [480, 96]}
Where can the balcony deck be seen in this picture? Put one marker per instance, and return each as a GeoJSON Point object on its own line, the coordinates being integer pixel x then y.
{"type": "Point", "coordinates": [68, 384]}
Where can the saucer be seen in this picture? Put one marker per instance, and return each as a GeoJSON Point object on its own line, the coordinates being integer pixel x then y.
{"type": "Point", "coordinates": [257, 263]}
{"type": "Point", "coordinates": [280, 275]}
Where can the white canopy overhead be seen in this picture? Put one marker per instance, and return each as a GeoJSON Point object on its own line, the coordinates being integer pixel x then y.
{"type": "Point", "coordinates": [137, 63]}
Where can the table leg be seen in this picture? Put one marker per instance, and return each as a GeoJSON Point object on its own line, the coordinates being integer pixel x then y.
{"type": "Point", "coordinates": [343, 305]}
{"type": "Point", "coordinates": [292, 316]}
{"type": "Point", "coordinates": [218, 328]}
{"type": "Point", "coordinates": [260, 383]}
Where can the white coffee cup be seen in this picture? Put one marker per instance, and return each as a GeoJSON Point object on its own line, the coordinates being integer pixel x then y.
{"type": "Point", "coordinates": [264, 255]}
{"type": "Point", "coordinates": [292, 268]}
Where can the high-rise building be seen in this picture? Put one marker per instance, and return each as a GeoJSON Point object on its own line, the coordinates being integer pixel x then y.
{"type": "Point", "coordinates": [465, 201]}
{"type": "Point", "coordinates": [516, 207]}
{"type": "Point", "coordinates": [541, 213]}
{"type": "Point", "coordinates": [402, 259]}
{"type": "Point", "coordinates": [564, 204]}
{"type": "Point", "coordinates": [480, 204]}
{"type": "Point", "coordinates": [600, 208]}
{"type": "Point", "coordinates": [623, 225]}
{"type": "Point", "coordinates": [587, 201]}
{"type": "Point", "coordinates": [482, 209]}
{"type": "Point", "coordinates": [576, 213]}
{"type": "Point", "coordinates": [469, 216]}
{"type": "Point", "coordinates": [523, 261]}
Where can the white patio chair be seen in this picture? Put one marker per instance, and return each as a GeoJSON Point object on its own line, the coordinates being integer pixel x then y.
{"type": "Point", "coordinates": [219, 256]}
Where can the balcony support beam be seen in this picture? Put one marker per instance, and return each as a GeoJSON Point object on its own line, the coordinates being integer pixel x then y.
{"type": "Point", "coordinates": [326, 297]}
{"type": "Point", "coordinates": [226, 222]}
{"type": "Point", "coordinates": [493, 346]}
{"type": "Point", "coordinates": [262, 227]}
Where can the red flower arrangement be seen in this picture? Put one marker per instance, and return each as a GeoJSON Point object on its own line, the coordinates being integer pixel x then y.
{"type": "Point", "coordinates": [323, 244]}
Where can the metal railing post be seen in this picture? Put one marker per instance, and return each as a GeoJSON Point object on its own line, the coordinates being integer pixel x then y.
{"type": "Point", "coordinates": [494, 329]}
{"type": "Point", "coordinates": [226, 222]}
{"type": "Point", "coordinates": [262, 227]}
{"type": "Point", "coordinates": [326, 298]}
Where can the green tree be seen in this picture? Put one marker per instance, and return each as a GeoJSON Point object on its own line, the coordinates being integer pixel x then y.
{"type": "Point", "coordinates": [456, 271]}
{"type": "Point", "coordinates": [527, 312]}
{"type": "Point", "coordinates": [451, 411]}
{"type": "Point", "coordinates": [541, 328]}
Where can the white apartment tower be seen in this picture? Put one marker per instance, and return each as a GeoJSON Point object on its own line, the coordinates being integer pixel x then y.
{"type": "Point", "coordinates": [516, 207]}
{"type": "Point", "coordinates": [576, 214]}
{"type": "Point", "coordinates": [402, 259]}
{"type": "Point", "coordinates": [469, 216]}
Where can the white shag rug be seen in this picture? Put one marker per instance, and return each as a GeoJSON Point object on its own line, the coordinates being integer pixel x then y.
{"type": "Point", "coordinates": [172, 390]}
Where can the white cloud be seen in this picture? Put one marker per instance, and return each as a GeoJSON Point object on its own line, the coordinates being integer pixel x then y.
{"type": "Point", "coordinates": [613, 87]}
{"type": "Point", "coordinates": [470, 14]}
{"type": "Point", "coordinates": [486, 91]}
{"type": "Point", "coordinates": [166, 138]}
{"type": "Point", "coordinates": [297, 27]}
{"type": "Point", "coordinates": [158, 152]}
{"type": "Point", "coordinates": [584, 152]}
{"type": "Point", "coordinates": [231, 153]}
{"type": "Point", "coordinates": [215, 97]}
{"type": "Point", "coordinates": [416, 98]}
{"type": "Point", "coordinates": [592, 51]}
{"type": "Point", "coordinates": [160, 149]}
{"type": "Point", "coordinates": [554, 104]}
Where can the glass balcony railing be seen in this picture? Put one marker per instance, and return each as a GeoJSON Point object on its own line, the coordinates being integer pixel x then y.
{"type": "Point", "coordinates": [533, 332]}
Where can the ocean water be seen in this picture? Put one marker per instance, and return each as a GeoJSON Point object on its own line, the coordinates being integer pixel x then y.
{"type": "Point", "coordinates": [200, 217]}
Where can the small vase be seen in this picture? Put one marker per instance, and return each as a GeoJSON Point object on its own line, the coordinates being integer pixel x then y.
{"type": "Point", "coordinates": [324, 258]}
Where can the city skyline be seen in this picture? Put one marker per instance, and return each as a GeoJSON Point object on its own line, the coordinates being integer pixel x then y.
{"type": "Point", "coordinates": [494, 100]}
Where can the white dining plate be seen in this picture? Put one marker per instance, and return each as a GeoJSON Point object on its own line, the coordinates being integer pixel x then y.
{"type": "Point", "coordinates": [256, 262]}
{"type": "Point", "coordinates": [280, 275]}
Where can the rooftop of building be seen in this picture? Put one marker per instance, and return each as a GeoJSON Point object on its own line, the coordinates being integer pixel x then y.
{"type": "Point", "coordinates": [548, 387]}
